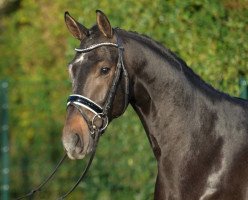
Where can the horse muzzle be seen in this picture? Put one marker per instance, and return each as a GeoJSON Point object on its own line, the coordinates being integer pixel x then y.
{"type": "Point", "coordinates": [76, 138]}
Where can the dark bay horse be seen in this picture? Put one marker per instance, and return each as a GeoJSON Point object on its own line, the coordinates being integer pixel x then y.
{"type": "Point", "coordinates": [199, 135]}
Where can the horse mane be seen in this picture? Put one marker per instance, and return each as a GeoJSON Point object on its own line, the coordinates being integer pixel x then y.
{"type": "Point", "coordinates": [180, 64]}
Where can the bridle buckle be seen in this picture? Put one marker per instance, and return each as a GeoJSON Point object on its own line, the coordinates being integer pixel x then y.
{"type": "Point", "coordinates": [104, 124]}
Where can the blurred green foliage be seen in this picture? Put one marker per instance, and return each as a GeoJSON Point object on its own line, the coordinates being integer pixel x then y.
{"type": "Point", "coordinates": [35, 46]}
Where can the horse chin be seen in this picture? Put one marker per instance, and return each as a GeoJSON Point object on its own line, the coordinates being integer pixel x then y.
{"type": "Point", "coordinates": [78, 156]}
{"type": "Point", "coordinates": [74, 157]}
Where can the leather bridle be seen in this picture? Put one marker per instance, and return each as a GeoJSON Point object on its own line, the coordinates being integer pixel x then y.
{"type": "Point", "coordinates": [78, 101]}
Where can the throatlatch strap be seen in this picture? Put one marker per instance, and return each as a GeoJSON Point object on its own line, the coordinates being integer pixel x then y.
{"type": "Point", "coordinates": [112, 91]}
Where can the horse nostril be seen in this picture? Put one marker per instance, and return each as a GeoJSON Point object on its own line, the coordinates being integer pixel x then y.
{"type": "Point", "coordinates": [78, 142]}
{"type": "Point", "coordinates": [75, 138]}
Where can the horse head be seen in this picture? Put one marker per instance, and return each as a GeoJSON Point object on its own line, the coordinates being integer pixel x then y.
{"type": "Point", "coordinates": [99, 84]}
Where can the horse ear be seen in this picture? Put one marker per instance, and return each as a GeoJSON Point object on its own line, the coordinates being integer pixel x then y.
{"type": "Point", "coordinates": [76, 29]}
{"type": "Point", "coordinates": [103, 24]}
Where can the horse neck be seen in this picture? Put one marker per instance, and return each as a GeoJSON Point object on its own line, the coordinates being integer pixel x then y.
{"type": "Point", "coordinates": [160, 91]}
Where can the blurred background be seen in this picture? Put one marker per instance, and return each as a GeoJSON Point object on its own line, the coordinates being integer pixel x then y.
{"type": "Point", "coordinates": [35, 47]}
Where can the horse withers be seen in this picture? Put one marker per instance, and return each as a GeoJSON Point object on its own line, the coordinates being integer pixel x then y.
{"type": "Point", "coordinates": [199, 135]}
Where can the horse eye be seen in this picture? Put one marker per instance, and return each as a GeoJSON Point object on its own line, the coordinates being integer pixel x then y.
{"type": "Point", "coordinates": [105, 70]}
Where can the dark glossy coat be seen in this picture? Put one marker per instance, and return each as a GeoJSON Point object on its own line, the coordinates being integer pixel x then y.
{"type": "Point", "coordinates": [199, 135]}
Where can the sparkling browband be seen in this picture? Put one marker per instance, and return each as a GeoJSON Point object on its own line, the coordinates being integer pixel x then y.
{"type": "Point", "coordinates": [96, 46]}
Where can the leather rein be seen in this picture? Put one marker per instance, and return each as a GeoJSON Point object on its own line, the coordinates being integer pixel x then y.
{"type": "Point", "coordinates": [78, 101]}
